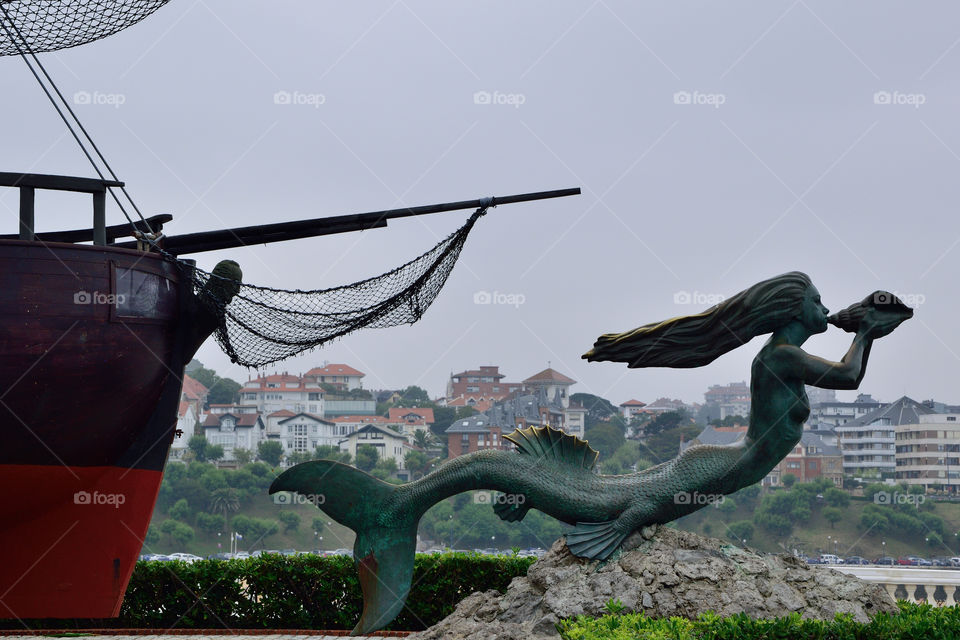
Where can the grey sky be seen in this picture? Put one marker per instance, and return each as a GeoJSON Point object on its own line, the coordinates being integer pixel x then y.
{"type": "Point", "coordinates": [801, 167]}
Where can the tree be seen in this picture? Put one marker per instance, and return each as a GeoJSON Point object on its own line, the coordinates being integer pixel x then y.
{"type": "Point", "coordinates": [414, 396]}
{"type": "Point", "coordinates": [221, 390]}
{"type": "Point", "coordinates": [290, 521]}
{"type": "Point", "coordinates": [666, 445]}
{"type": "Point", "coordinates": [331, 452]}
{"type": "Point", "coordinates": [366, 457]}
{"type": "Point", "coordinates": [243, 456]}
{"type": "Point", "coordinates": [667, 421]}
{"type": "Point", "coordinates": [384, 468]}
{"type": "Point", "coordinates": [318, 524]}
{"type": "Point", "coordinates": [605, 438]}
{"type": "Point", "coordinates": [152, 537]}
{"type": "Point", "coordinates": [833, 515]}
{"type": "Point", "coordinates": [788, 480]}
{"type": "Point", "coordinates": [270, 452]}
{"type": "Point", "coordinates": [836, 497]}
{"type": "Point", "coordinates": [214, 452]}
{"type": "Point", "coordinates": [210, 523]}
{"type": "Point", "coordinates": [423, 439]}
{"type": "Point", "coordinates": [597, 407]}
{"type": "Point", "coordinates": [199, 444]}
{"type": "Point", "coordinates": [740, 530]}
{"type": "Point", "coordinates": [181, 510]}
{"type": "Point", "coordinates": [224, 502]}
{"type": "Point", "coordinates": [418, 463]}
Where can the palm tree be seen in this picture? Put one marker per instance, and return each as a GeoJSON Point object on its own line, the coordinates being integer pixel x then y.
{"type": "Point", "coordinates": [423, 439]}
{"type": "Point", "coordinates": [224, 501]}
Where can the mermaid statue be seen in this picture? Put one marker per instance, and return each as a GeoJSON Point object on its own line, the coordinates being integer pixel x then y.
{"type": "Point", "coordinates": [555, 472]}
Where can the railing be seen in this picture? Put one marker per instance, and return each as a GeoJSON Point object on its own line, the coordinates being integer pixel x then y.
{"type": "Point", "coordinates": [100, 234]}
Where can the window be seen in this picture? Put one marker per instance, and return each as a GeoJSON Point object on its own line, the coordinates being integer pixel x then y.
{"type": "Point", "coordinates": [140, 294]}
{"type": "Point", "coordinates": [313, 396]}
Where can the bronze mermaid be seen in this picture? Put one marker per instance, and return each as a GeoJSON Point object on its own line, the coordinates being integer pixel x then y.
{"type": "Point", "coordinates": [554, 472]}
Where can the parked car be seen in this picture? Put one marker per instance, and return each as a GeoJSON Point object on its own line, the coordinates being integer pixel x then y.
{"type": "Point", "coordinates": [147, 557]}
{"type": "Point", "coordinates": [922, 562]}
{"type": "Point", "coordinates": [829, 558]}
{"type": "Point", "coordinates": [241, 555]}
{"type": "Point", "coordinates": [855, 560]}
{"type": "Point", "coordinates": [955, 561]}
{"type": "Point", "coordinates": [940, 561]}
{"type": "Point", "coordinates": [887, 560]}
{"type": "Point", "coordinates": [288, 552]}
{"type": "Point", "coordinates": [189, 558]}
{"type": "Point", "coordinates": [814, 560]}
{"type": "Point", "coordinates": [219, 556]}
{"type": "Point", "coordinates": [907, 561]}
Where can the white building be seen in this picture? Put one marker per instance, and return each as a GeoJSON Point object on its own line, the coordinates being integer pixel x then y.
{"type": "Point", "coordinates": [280, 392]}
{"type": "Point", "coordinates": [186, 428]}
{"type": "Point", "coordinates": [575, 420]}
{"type": "Point", "coordinates": [301, 432]}
{"type": "Point", "coordinates": [928, 453]}
{"type": "Point", "coordinates": [388, 443]}
{"type": "Point", "coordinates": [555, 384]}
{"type": "Point", "coordinates": [342, 376]}
{"type": "Point", "coordinates": [234, 431]}
{"type": "Point", "coordinates": [631, 409]}
{"type": "Point", "coordinates": [868, 443]}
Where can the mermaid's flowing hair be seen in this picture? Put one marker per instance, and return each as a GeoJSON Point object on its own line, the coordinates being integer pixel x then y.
{"type": "Point", "coordinates": [693, 341]}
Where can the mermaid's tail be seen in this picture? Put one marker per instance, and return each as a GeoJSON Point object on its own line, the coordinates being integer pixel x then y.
{"type": "Point", "coordinates": [383, 551]}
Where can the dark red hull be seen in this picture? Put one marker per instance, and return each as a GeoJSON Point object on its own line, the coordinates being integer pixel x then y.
{"type": "Point", "coordinates": [88, 397]}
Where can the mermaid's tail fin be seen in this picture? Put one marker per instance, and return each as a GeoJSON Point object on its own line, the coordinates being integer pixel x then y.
{"type": "Point", "coordinates": [383, 552]}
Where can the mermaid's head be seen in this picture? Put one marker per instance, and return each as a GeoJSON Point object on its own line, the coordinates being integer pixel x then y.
{"type": "Point", "coordinates": [693, 341]}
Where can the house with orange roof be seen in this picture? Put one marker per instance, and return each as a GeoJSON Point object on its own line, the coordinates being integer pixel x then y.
{"type": "Point", "coordinates": [631, 408]}
{"type": "Point", "coordinates": [342, 376]}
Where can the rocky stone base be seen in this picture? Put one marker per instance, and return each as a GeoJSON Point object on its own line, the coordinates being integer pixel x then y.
{"type": "Point", "coordinates": [661, 572]}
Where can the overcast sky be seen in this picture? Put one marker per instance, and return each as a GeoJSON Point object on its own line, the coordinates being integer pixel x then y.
{"type": "Point", "coordinates": [717, 144]}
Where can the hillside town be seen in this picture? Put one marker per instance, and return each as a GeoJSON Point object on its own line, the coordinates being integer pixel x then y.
{"type": "Point", "coordinates": [327, 410]}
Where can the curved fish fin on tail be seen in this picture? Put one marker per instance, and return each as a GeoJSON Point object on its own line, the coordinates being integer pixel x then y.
{"type": "Point", "coordinates": [547, 443]}
{"type": "Point", "coordinates": [383, 551]}
{"type": "Point", "coordinates": [595, 540]}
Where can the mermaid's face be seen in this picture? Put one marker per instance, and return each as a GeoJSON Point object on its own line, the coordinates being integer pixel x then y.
{"type": "Point", "coordinates": [813, 315]}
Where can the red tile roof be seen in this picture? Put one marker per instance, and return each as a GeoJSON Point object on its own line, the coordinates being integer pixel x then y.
{"type": "Point", "coordinates": [193, 389]}
{"type": "Point", "coordinates": [398, 413]}
{"type": "Point", "coordinates": [335, 370]}
{"type": "Point", "coordinates": [550, 375]}
{"type": "Point", "coordinates": [283, 413]}
{"type": "Point", "coordinates": [633, 403]}
{"type": "Point", "coordinates": [182, 409]}
{"type": "Point", "coordinates": [364, 419]}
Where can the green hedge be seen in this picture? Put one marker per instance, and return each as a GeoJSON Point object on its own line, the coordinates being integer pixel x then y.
{"type": "Point", "coordinates": [913, 621]}
{"type": "Point", "coordinates": [289, 592]}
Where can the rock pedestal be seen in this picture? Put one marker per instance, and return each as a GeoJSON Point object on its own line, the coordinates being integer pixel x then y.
{"type": "Point", "coordinates": [662, 573]}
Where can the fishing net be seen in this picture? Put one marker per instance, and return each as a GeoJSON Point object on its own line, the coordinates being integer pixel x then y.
{"type": "Point", "coordinates": [48, 25]}
{"type": "Point", "coordinates": [260, 325]}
